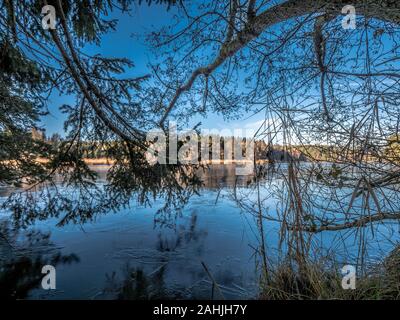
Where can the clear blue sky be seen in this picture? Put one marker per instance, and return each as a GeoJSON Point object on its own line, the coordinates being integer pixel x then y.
{"type": "Point", "coordinates": [121, 43]}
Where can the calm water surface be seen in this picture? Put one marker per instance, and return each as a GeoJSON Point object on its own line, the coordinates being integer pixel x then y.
{"type": "Point", "coordinates": [123, 254]}
{"type": "Point", "coordinates": [129, 244]}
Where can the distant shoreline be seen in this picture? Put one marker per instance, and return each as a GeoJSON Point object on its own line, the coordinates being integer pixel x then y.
{"type": "Point", "coordinates": [107, 161]}
{"type": "Point", "coordinates": [110, 162]}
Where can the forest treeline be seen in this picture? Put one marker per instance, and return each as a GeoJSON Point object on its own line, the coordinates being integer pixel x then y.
{"type": "Point", "coordinates": [262, 150]}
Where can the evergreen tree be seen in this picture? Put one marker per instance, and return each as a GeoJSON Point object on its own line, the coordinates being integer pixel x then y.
{"type": "Point", "coordinates": [108, 111]}
{"type": "Point", "coordinates": [21, 105]}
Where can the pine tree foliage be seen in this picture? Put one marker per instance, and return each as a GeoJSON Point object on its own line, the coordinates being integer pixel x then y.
{"type": "Point", "coordinates": [36, 62]}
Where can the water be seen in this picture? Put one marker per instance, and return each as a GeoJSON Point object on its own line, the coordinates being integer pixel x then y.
{"type": "Point", "coordinates": [128, 255]}
{"type": "Point", "coordinates": [117, 246]}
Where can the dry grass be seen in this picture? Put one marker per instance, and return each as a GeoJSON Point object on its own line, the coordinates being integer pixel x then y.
{"type": "Point", "coordinates": [320, 280]}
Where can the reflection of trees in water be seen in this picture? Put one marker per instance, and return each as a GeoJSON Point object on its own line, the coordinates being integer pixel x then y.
{"type": "Point", "coordinates": [223, 175]}
{"type": "Point", "coordinates": [173, 245]}
{"type": "Point", "coordinates": [76, 195]}
{"type": "Point", "coordinates": [136, 284]}
{"type": "Point", "coordinates": [181, 236]}
{"type": "Point", "coordinates": [22, 256]}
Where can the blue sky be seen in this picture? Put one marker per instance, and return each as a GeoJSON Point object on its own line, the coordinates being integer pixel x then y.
{"type": "Point", "coordinates": [121, 43]}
